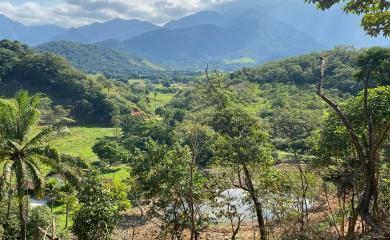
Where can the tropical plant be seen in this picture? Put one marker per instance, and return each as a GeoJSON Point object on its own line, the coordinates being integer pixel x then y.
{"type": "Point", "coordinates": [98, 214]}
{"type": "Point", "coordinates": [22, 151]}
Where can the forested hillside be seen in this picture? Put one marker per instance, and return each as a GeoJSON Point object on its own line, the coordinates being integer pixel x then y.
{"type": "Point", "coordinates": [96, 59]}
{"type": "Point", "coordinates": [303, 70]}
{"type": "Point", "coordinates": [97, 143]}
{"type": "Point", "coordinates": [71, 90]}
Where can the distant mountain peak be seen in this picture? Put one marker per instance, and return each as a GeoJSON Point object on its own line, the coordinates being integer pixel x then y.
{"type": "Point", "coordinates": [199, 18]}
{"type": "Point", "coordinates": [119, 29]}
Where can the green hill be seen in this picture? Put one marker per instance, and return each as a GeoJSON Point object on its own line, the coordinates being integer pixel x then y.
{"type": "Point", "coordinates": [96, 59]}
{"type": "Point", "coordinates": [304, 70]}
{"type": "Point", "coordinates": [84, 96]}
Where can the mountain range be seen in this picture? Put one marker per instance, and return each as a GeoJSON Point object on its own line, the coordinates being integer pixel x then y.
{"type": "Point", "coordinates": [240, 34]}
{"type": "Point", "coordinates": [248, 35]}
{"type": "Point", "coordinates": [118, 29]}
{"type": "Point", "coordinates": [31, 35]}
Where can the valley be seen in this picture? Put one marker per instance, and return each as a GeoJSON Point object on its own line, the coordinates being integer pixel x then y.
{"type": "Point", "coordinates": [209, 120]}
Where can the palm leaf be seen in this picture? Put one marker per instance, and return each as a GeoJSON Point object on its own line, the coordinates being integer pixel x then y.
{"type": "Point", "coordinates": [8, 119]}
{"type": "Point", "coordinates": [72, 161]}
{"type": "Point", "coordinates": [71, 174]}
{"type": "Point", "coordinates": [5, 152]}
{"type": "Point", "coordinates": [36, 177]}
{"type": "Point", "coordinates": [5, 182]}
{"type": "Point", "coordinates": [49, 133]}
{"type": "Point", "coordinates": [46, 152]}
{"type": "Point", "coordinates": [28, 113]}
{"type": "Point", "coordinates": [64, 164]}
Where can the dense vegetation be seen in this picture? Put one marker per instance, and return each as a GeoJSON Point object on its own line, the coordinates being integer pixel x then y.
{"type": "Point", "coordinates": [190, 152]}
{"type": "Point", "coordinates": [87, 98]}
{"type": "Point", "coordinates": [303, 70]}
{"type": "Point", "coordinates": [95, 59]}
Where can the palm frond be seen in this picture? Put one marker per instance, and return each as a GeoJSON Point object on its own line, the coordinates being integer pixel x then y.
{"type": "Point", "coordinates": [46, 152]}
{"type": "Point", "coordinates": [8, 119]}
{"type": "Point", "coordinates": [49, 133]}
{"type": "Point", "coordinates": [5, 152]}
{"type": "Point", "coordinates": [65, 164]}
{"type": "Point", "coordinates": [72, 161]}
{"type": "Point", "coordinates": [36, 177]}
{"type": "Point", "coordinates": [28, 112]}
{"type": "Point", "coordinates": [5, 181]}
{"type": "Point", "coordinates": [71, 174]}
{"type": "Point", "coordinates": [11, 146]}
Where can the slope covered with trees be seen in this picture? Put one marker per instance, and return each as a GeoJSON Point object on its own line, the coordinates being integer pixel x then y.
{"type": "Point", "coordinates": [70, 89]}
{"type": "Point", "coordinates": [96, 59]}
{"type": "Point", "coordinates": [303, 70]}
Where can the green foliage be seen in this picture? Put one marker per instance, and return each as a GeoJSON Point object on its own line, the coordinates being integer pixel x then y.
{"type": "Point", "coordinates": [291, 127]}
{"type": "Point", "coordinates": [110, 151]}
{"type": "Point", "coordinates": [9, 224]}
{"type": "Point", "coordinates": [94, 59]}
{"type": "Point", "coordinates": [379, 66]}
{"type": "Point", "coordinates": [165, 185]}
{"type": "Point", "coordinates": [54, 76]}
{"type": "Point", "coordinates": [376, 13]}
{"type": "Point", "coordinates": [341, 64]}
{"type": "Point", "coordinates": [99, 210]}
{"type": "Point", "coordinates": [40, 217]}
{"type": "Point", "coordinates": [22, 152]}
{"type": "Point", "coordinates": [333, 144]}
{"type": "Point", "coordinates": [241, 140]}
{"type": "Point", "coordinates": [137, 130]}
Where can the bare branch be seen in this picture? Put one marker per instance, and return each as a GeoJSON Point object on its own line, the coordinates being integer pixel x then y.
{"type": "Point", "coordinates": [338, 111]}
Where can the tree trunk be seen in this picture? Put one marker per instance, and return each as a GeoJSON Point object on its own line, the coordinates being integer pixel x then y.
{"type": "Point", "coordinates": [370, 191]}
{"type": "Point", "coordinates": [256, 203]}
{"type": "Point", "coordinates": [352, 218]}
{"type": "Point", "coordinates": [23, 220]}
{"type": "Point", "coordinates": [20, 184]}
{"type": "Point", "coordinates": [342, 224]}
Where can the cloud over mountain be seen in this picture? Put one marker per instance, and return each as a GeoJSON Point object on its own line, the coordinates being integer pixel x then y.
{"type": "Point", "coordinates": [80, 12]}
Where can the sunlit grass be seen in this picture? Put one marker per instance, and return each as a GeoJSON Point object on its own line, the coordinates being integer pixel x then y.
{"type": "Point", "coordinates": [81, 140]}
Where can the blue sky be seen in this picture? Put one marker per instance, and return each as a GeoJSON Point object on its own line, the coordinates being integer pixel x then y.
{"type": "Point", "coordinates": [80, 12]}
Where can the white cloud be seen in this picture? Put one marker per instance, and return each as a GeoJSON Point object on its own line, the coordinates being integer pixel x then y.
{"type": "Point", "coordinates": [80, 12]}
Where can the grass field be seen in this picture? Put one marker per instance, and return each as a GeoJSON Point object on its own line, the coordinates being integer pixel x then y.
{"type": "Point", "coordinates": [159, 99]}
{"type": "Point", "coordinates": [81, 141]}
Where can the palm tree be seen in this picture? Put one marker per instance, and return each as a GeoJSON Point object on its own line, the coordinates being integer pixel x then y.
{"type": "Point", "coordinates": [22, 152]}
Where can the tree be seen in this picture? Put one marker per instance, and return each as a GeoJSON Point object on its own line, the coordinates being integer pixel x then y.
{"type": "Point", "coordinates": [243, 147]}
{"type": "Point", "coordinates": [110, 151]}
{"type": "Point", "coordinates": [98, 213]}
{"type": "Point", "coordinates": [21, 152]}
{"type": "Point", "coordinates": [367, 124]}
{"type": "Point", "coordinates": [41, 218]}
{"type": "Point", "coordinates": [376, 14]}
{"type": "Point", "coordinates": [68, 197]}
{"type": "Point", "coordinates": [174, 187]}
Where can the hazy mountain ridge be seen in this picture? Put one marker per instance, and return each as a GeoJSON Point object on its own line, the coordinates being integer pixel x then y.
{"type": "Point", "coordinates": [118, 29]}
{"type": "Point", "coordinates": [94, 59]}
{"type": "Point", "coordinates": [267, 31]}
{"type": "Point", "coordinates": [250, 34]}
{"type": "Point", "coordinates": [32, 35]}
